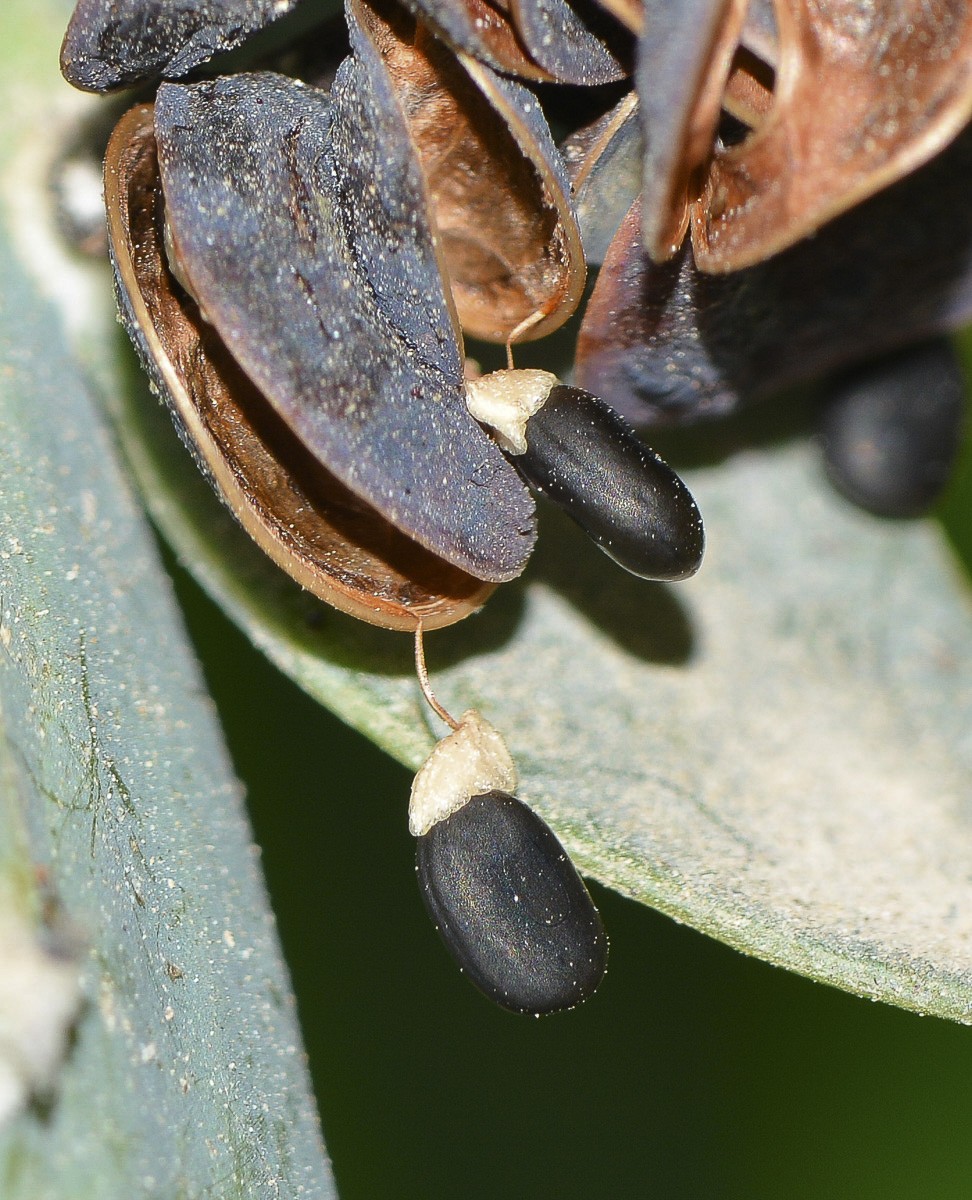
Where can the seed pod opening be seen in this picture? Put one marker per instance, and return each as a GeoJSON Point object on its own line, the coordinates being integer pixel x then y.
{"type": "Point", "coordinates": [311, 525]}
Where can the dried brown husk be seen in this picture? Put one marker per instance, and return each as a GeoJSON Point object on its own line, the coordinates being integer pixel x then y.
{"type": "Point", "coordinates": [302, 517]}
{"type": "Point", "coordinates": [507, 229]}
{"type": "Point", "coordinates": [864, 94]}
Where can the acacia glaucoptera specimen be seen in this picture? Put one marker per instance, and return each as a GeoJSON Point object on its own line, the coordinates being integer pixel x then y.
{"type": "Point", "coordinates": [297, 261]}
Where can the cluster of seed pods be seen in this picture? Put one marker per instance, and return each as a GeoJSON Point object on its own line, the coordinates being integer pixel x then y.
{"type": "Point", "coordinates": [298, 256]}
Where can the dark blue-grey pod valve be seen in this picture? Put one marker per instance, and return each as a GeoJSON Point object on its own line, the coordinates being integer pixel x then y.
{"type": "Point", "coordinates": [891, 429]}
{"type": "Point", "coordinates": [571, 447]}
{"type": "Point", "coordinates": [501, 890]}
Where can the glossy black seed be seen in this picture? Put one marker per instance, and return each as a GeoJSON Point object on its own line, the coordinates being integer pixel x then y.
{"type": "Point", "coordinates": [584, 457]}
{"type": "Point", "coordinates": [891, 429]}
{"type": "Point", "coordinates": [511, 907]}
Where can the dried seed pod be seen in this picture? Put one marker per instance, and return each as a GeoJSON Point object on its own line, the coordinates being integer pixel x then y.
{"type": "Point", "coordinates": [663, 343]}
{"type": "Point", "coordinates": [898, 83]}
{"type": "Point", "coordinates": [684, 57]}
{"type": "Point", "coordinates": [496, 185]}
{"type": "Point", "coordinates": [891, 429]}
{"type": "Point", "coordinates": [575, 450]}
{"type": "Point", "coordinates": [576, 43]}
{"type": "Point", "coordinates": [483, 30]}
{"type": "Point", "coordinates": [115, 44]}
{"type": "Point", "coordinates": [310, 524]}
{"type": "Point", "coordinates": [604, 165]}
{"type": "Point", "coordinates": [301, 224]}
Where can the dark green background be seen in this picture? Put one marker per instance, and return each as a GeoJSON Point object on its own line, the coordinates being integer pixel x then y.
{"type": "Point", "coordinates": [694, 1072]}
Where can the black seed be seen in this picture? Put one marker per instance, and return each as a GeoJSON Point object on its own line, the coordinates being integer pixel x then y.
{"type": "Point", "coordinates": [584, 457]}
{"type": "Point", "coordinates": [891, 429]}
{"type": "Point", "coordinates": [511, 907]}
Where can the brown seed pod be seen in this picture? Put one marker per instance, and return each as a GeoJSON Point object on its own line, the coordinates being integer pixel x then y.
{"type": "Point", "coordinates": [577, 42]}
{"type": "Point", "coordinates": [496, 185]}
{"type": "Point", "coordinates": [897, 80]}
{"type": "Point", "coordinates": [483, 30]}
{"type": "Point", "coordinates": [310, 524]}
{"type": "Point", "coordinates": [664, 342]}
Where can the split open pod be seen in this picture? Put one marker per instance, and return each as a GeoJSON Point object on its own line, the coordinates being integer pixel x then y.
{"type": "Point", "coordinates": [296, 267]}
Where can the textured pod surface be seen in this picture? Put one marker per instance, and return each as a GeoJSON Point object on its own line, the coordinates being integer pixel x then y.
{"type": "Point", "coordinates": [563, 257]}
{"type": "Point", "coordinates": [510, 906]}
{"type": "Point", "coordinates": [301, 223]}
{"type": "Point", "coordinates": [604, 164]}
{"type": "Point", "coordinates": [332, 543]}
{"type": "Point", "coordinates": [684, 55]}
{"type": "Point", "coordinates": [586, 459]}
{"type": "Point", "coordinates": [506, 225]}
{"type": "Point", "coordinates": [576, 43]}
{"type": "Point", "coordinates": [891, 429]}
{"type": "Point", "coordinates": [482, 30]}
{"type": "Point", "coordinates": [115, 44]}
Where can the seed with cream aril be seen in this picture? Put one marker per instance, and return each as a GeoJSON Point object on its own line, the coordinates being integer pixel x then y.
{"type": "Point", "coordinates": [578, 452]}
{"type": "Point", "coordinates": [499, 886]}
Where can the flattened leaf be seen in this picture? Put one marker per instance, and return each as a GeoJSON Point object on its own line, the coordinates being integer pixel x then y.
{"type": "Point", "coordinates": [120, 817]}
{"type": "Point", "coordinates": [864, 94]}
{"type": "Point", "coordinates": [508, 236]}
{"type": "Point", "coordinates": [576, 43]}
{"type": "Point", "coordinates": [114, 44]}
{"type": "Point", "coordinates": [669, 343]}
{"type": "Point", "coordinates": [776, 751]}
{"type": "Point", "coordinates": [301, 223]}
{"type": "Point", "coordinates": [312, 526]}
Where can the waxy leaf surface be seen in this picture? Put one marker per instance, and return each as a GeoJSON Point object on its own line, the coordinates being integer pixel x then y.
{"type": "Point", "coordinates": [775, 751]}
{"type": "Point", "coordinates": [122, 825]}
